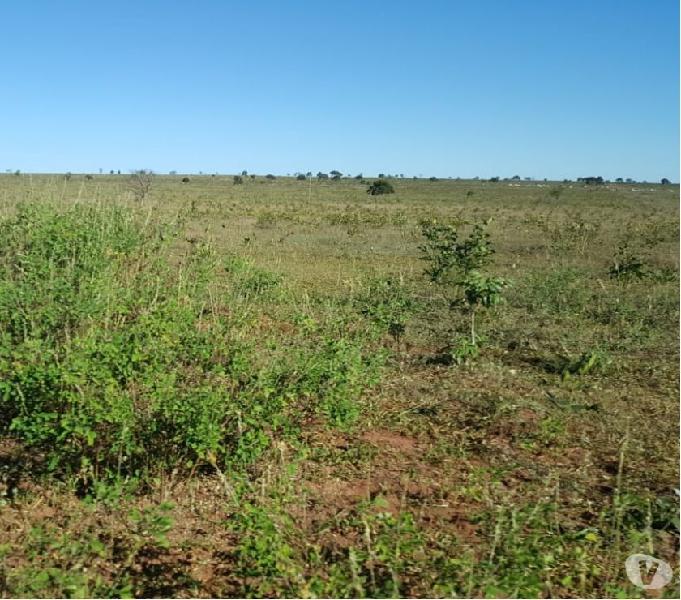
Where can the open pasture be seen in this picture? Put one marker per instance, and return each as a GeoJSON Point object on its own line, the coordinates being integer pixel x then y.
{"type": "Point", "coordinates": [257, 389]}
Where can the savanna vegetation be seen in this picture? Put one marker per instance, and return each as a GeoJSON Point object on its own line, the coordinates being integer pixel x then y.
{"type": "Point", "coordinates": [258, 386]}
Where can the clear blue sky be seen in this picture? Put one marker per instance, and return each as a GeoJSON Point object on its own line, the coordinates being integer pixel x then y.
{"type": "Point", "coordinates": [540, 88]}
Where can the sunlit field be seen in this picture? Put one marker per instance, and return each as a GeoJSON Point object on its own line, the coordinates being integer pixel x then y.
{"type": "Point", "coordinates": [296, 389]}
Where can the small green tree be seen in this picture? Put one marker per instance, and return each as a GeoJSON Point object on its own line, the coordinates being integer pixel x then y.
{"type": "Point", "coordinates": [461, 263]}
{"type": "Point", "coordinates": [379, 187]}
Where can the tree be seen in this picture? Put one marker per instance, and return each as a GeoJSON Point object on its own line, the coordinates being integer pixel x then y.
{"type": "Point", "coordinates": [238, 180]}
{"type": "Point", "coordinates": [494, 179]}
{"type": "Point", "coordinates": [462, 262]}
{"type": "Point", "coordinates": [270, 176]}
{"type": "Point", "coordinates": [335, 173]}
{"type": "Point", "coordinates": [432, 179]}
{"type": "Point", "coordinates": [244, 173]}
{"type": "Point", "coordinates": [381, 175]}
{"type": "Point", "coordinates": [665, 181]}
{"type": "Point", "coordinates": [380, 187]}
{"type": "Point", "coordinates": [336, 178]}
{"type": "Point", "coordinates": [321, 175]}
{"type": "Point", "coordinates": [301, 177]}
{"type": "Point", "coordinates": [591, 180]}
{"type": "Point", "coordinates": [140, 183]}
{"type": "Point", "coordinates": [359, 176]}
{"type": "Point", "coordinates": [619, 180]}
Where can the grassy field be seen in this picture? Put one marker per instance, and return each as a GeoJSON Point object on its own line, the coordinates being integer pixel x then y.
{"type": "Point", "coordinates": [258, 390]}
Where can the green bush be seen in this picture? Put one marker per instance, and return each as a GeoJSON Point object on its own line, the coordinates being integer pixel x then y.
{"type": "Point", "coordinates": [380, 187]}
{"type": "Point", "coordinates": [113, 363]}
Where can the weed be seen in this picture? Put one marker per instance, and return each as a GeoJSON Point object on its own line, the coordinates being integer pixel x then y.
{"type": "Point", "coordinates": [387, 303]}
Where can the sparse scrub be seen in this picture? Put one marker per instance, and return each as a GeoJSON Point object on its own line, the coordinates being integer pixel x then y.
{"type": "Point", "coordinates": [191, 408]}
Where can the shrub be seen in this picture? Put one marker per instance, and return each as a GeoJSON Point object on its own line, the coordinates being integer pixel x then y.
{"type": "Point", "coordinates": [270, 176]}
{"type": "Point", "coordinates": [113, 364]}
{"type": "Point", "coordinates": [301, 177]}
{"type": "Point", "coordinates": [185, 180]}
{"type": "Point", "coordinates": [140, 183]}
{"type": "Point", "coordinates": [388, 305]}
{"type": "Point", "coordinates": [380, 187]}
{"type": "Point", "coordinates": [461, 263]}
{"type": "Point", "coordinates": [627, 265]}
{"type": "Point", "coordinates": [238, 180]}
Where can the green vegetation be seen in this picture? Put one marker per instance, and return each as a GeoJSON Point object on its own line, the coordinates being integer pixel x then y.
{"type": "Point", "coordinates": [380, 187]}
{"type": "Point", "coordinates": [291, 390]}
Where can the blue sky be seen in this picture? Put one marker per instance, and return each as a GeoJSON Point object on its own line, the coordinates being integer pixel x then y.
{"type": "Point", "coordinates": [537, 88]}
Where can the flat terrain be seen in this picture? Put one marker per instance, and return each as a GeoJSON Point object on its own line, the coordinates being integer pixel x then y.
{"type": "Point", "coordinates": [257, 390]}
